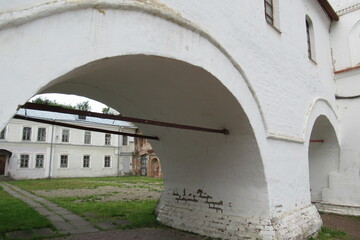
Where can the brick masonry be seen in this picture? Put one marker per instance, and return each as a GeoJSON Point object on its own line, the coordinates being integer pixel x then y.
{"type": "Point", "coordinates": [299, 224]}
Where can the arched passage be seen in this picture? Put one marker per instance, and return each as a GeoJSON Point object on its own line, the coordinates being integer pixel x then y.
{"type": "Point", "coordinates": [324, 157]}
{"type": "Point", "coordinates": [174, 75]}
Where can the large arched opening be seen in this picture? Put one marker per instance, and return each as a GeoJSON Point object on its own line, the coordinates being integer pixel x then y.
{"type": "Point", "coordinates": [176, 74]}
{"type": "Point", "coordinates": [324, 157]}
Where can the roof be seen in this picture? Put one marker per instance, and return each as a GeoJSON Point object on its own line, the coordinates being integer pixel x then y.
{"type": "Point", "coordinates": [72, 118]}
{"type": "Point", "coordinates": [340, 5]}
{"type": "Point", "coordinates": [329, 9]}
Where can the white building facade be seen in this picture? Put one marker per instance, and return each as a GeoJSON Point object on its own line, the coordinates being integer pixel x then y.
{"type": "Point", "coordinates": [36, 150]}
{"type": "Point", "coordinates": [267, 71]}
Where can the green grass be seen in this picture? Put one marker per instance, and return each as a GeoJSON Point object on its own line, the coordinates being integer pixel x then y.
{"type": "Point", "coordinates": [327, 233]}
{"type": "Point", "coordinates": [17, 215]}
{"type": "Point", "coordinates": [76, 183]}
{"type": "Point", "coordinates": [139, 213]}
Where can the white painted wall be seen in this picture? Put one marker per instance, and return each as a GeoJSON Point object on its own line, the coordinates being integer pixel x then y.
{"type": "Point", "coordinates": [212, 64]}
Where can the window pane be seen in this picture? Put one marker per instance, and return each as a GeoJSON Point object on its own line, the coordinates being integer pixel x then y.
{"type": "Point", "coordinates": [86, 161]}
{"type": "Point", "coordinates": [41, 134]}
{"type": "Point", "coordinates": [65, 135]}
{"type": "Point", "coordinates": [24, 161]}
{"type": "Point", "coordinates": [125, 140]}
{"type": "Point", "coordinates": [87, 138]}
{"type": "Point", "coordinates": [107, 139]}
{"type": "Point", "coordinates": [63, 161]}
{"type": "Point", "coordinates": [26, 134]}
{"type": "Point", "coordinates": [39, 161]}
{"type": "Point", "coordinates": [107, 161]}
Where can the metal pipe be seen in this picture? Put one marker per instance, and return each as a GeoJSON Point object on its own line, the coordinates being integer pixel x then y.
{"type": "Point", "coordinates": [44, 107]}
{"type": "Point", "coordinates": [83, 128]}
{"type": "Point", "coordinates": [51, 150]}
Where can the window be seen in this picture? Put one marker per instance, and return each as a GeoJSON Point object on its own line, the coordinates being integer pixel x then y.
{"type": "Point", "coordinates": [107, 161]}
{"type": "Point", "coordinates": [24, 161]}
{"type": "Point", "coordinates": [124, 140]}
{"type": "Point", "coordinates": [26, 134]}
{"type": "Point", "coordinates": [2, 134]}
{"type": "Point", "coordinates": [269, 11]}
{"type": "Point", "coordinates": [310, 38]}
{"type": "Point", "coordinates": [39, 161]}
{"type": "Point", "coordinates": [86, 162]}
{"type": "Point", "coordinates": [107, 139]}
{"type": "Point", "coordinates": [65, 135]}
{"type": "Point", "coordinates": [64, 161]}
{"type": "Point", "coordinates": [41, 134]}
{"type": "Point", "coordinates": [87, 137]}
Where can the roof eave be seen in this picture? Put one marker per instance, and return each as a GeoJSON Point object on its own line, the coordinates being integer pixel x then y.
{"type": "Point", "coordinates": [329, 10]}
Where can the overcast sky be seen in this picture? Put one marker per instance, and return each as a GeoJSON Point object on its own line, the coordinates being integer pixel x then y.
{"type": "Point", "coordinates": [72, 100]}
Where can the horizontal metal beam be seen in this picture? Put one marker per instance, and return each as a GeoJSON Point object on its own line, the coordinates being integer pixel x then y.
{"type": "Point", "coordinates": [62, 124]}
{"type": "Point", "coordinates": [50, 108]}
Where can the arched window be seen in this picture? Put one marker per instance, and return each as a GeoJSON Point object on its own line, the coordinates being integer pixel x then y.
{"type": "Point", "coordinates": [310, 38]}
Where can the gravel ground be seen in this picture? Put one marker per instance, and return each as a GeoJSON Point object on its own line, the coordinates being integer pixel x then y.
{"type": "Point", "coordinates": [105, 193]}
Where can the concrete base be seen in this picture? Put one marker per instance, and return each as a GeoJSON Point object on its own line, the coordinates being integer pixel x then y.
{"type": "Point", "coordinates": [299, 224]}
{"type": "Point", "coordinates": [338, 209]}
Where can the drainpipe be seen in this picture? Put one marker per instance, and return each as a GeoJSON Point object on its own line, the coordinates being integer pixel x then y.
{"type": "Point", "coordinates": [118, 156]}
{"type": "Point", "coordinates": [51, 150]}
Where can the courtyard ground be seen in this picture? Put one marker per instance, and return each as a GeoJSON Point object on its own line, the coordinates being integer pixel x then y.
{"type": "Point", "coordinates": [117, 208]}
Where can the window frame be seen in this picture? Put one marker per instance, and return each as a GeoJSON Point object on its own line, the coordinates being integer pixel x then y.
{"type": "Point", "coordinates": [269, 5]}
{"type": "Point", "coordinates": [125, 140]}
{"type": "Point", "coordinates": [37, 165]}
{"type": "Point", "coordinates": [41, 137]}
{"type": "Point", "coordinates": [107, 139]}
{"type": "Point", "coordinates": [26, 135]}
{"type": "Point", "coordinates": [61, 161]}
{"type": "Point", "coordinates": [310, 39]}
{"type": "Point", "coordinates": [27, 161]}
{"type": "Point", "coordinates": [87, 137]}
{"type": "Point", "coordinates": [65, 138]}
{"type": "Point", "coordinates": [86, 161]}
{"type": "Point", "coordinates": [107, 159]}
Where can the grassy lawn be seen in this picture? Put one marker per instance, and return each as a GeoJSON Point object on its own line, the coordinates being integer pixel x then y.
{"type": "Point", "coordinates": [77, 183]}
{"type": "Point", "coordinates": [17, 215]}
{"type": "Point", "coordinates": [140, 213]}
{"type": "Point", "coordinates": [327, 233]}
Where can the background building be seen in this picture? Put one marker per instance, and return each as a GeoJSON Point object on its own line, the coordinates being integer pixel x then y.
{"type": "Point", "coordinates": [37, 150]}
{"type": "Point", "coordinates": [145, 162]}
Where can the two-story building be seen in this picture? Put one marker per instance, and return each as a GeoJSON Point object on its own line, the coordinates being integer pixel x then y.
{"type": "Point", "coordinates": [37, 150]}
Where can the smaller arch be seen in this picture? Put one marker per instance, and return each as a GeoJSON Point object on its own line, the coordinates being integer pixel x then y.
{"type": "Point", "coordinates": [324, 157]}
{"type": "Point", "coordinates": [155, 168]}
{"type": "Point", "coordinates": [354, 46]}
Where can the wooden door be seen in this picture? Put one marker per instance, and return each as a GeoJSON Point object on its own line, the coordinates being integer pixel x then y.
{"type": "Point", "coordinates": [2, 164]}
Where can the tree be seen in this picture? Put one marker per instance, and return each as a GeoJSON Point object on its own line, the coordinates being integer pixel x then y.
{"type": "Point", "coordinates": [84, 106]}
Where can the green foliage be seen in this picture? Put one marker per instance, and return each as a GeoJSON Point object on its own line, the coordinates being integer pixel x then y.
{"type": "Point", "coordinates": [106, 110]}
{"type": "Point", "coordinates": [84, 106]}
{"type": "Point", "coordinates": [16, 215]}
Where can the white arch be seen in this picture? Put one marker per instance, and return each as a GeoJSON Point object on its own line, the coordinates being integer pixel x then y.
{"type": "Point", "coordinates": [16, 18]}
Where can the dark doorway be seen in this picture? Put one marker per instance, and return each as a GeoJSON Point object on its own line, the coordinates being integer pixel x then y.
{"type": "Point", "coordinates": [2, 164]}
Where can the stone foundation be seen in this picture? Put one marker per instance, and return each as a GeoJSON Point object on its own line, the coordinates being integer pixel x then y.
{"type": "Point", "coordinates": [338, 209]}
{"type": "Point", "coordinates": [299, 224]}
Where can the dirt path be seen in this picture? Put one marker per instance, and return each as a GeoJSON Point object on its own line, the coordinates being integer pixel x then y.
{"type": "Point", "coordinates": [349, 225]}
{"type": "Point", "coordinates": [136, 234]}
